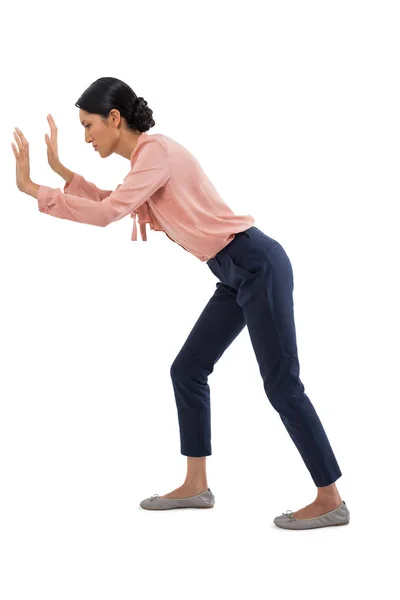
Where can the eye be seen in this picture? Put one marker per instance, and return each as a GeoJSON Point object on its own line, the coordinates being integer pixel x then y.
{"type": "Point", "coordinates": [87, 126]}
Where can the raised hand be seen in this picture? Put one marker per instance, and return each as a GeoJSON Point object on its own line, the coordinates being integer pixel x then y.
{"type": "Point", "coordinates": [52, 146]}
{"type": "Point", "coordinates": [22, 161]}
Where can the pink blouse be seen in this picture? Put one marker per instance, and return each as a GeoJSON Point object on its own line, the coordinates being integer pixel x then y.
{"type": "Point", "coordinates": [166, 187]}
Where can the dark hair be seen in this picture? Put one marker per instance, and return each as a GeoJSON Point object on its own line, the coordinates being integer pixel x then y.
{"type": "Point", "coordinates": [107, 93]}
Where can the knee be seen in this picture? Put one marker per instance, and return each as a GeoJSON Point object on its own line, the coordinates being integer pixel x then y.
{"type": "Point", "coordinates": [177, 370]}
{"type": "Point", "coordinates": [182, 369]}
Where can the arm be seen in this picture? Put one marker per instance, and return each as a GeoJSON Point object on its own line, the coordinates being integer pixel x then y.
{"type": "Point", "coordinates": [78, 186]}
{"type": "Point", "coordinates": [150, 171]}
{"type": "Point", "coordinates": [64, 173]}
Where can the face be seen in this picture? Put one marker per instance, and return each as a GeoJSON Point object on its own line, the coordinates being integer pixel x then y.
{"type": "Point", "coordinates": [103, 135]}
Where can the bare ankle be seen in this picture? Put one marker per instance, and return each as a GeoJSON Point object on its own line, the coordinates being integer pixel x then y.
{"type": "Point", "coordinates": [197, 484]}
{"type": "Point", "coordinates": [328, 494]}
{"type": "Point", "coordinates": [196, 476]}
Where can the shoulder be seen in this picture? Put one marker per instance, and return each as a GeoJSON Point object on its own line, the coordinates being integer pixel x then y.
{"type": "Point", "coordinates": [152, 147]}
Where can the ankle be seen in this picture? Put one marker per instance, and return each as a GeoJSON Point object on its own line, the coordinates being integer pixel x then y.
{"type": "Point", "coordinates": [328, 494]}
{"type": "Point", "coordinates": [195, 484]}
{"type": "Point", "coordinates": [328, 499]}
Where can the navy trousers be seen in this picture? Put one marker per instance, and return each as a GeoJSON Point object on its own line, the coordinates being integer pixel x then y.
{"type": "Point", "coordinates": [255, 288]}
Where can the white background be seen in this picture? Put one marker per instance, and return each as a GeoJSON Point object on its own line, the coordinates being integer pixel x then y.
{"type": "Point", "coordinates": [292, 109]}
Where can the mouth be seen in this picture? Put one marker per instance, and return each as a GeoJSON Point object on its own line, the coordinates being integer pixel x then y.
{"type": "Point", "coordinates": [95, 147]}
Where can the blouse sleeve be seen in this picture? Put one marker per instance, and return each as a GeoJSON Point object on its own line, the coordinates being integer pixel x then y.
{"type": "Point", "coordinates": [150, 171]}
{"type": "Point", "coordinates": [78, 186]}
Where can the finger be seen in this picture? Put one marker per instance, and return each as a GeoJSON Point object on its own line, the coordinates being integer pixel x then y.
{"type": "Point", "coordinates": [17, 154]}
{"type": "Point", "coordinates": [51, 126]}
{"type": "Point", "coordinates": [23, 146]}
{"type": "Point", "coordinates": [18, 141]}
{"type": "Point", "coordinates": [52, 122]}
{"type": "Point", "coordinates": [23, 138]}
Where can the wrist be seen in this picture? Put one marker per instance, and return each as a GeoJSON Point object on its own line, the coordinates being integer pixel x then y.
{"type": "Point", "coordinates": [32, 189]}
{"type": "Point", "coordinates": [65, 173]}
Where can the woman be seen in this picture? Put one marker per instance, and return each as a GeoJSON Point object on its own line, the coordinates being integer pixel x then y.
{"type": "Point", "coordinates": [167, 188]}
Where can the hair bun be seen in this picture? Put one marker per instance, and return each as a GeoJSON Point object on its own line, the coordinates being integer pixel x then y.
{"type": "Point", "coordinates": [139, 102]}
{"type": "Point", "coordinates": [141, 115]}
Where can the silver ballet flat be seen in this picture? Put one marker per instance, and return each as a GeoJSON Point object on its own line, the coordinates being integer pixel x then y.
{"type": "Point", "coordinates": [338, 516]}
{"type": "Point", "coordinates": [204, 500]}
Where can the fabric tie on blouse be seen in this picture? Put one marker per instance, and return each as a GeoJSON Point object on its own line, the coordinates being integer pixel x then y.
{"type": "Point", "coordinates": [143, 218]}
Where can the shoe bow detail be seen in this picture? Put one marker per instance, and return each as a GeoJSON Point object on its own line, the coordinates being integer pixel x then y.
{"type": "Point", "coordinates": [289, 515]}
{"type": "Point", "coordinates": [155, 496]}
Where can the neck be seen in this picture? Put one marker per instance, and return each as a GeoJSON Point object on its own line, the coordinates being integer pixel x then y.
{"type": "Point", "coordinates": [127, 144]}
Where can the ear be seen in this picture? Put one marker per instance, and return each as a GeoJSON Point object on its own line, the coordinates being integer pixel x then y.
{"type": "Point", "coordinates": [115, 117]}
